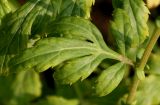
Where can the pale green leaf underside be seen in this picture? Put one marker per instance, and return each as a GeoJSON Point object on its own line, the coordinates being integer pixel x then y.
{"type": "Point", "coordinates": [109, 79]}
{"type": "Point", "coordinates": [138, 14]}
{"type": "Point", "coordinates": [50, 52]}
{"type": "Point", "coordinates": [21, 21]}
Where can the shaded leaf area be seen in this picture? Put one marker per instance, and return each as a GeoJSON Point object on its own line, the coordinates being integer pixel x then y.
{"type": "Point", "coordinates": [4, 8]}
{"type": "Point", "coordinates": [36, 13]}
{"type": "Point", "coordinates": [150, 89]}
{"type": "Point", "coordinates": [84, 92]}
{"type": "Point", "coordinates": [130, 25]}
{"type": "Point", "coordinates": [20, 89]}
{"type": "Point", "coordinates": [57, 100]}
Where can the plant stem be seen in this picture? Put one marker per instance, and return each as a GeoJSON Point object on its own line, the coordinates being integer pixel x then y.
{"type": "Point", "coordinates": [141, 66]}
{"type": "Point", "coordinates": [132, 93]}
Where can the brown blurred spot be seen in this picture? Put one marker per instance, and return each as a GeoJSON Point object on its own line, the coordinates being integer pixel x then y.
{"type": "Point", "coordinates": [101, 15]}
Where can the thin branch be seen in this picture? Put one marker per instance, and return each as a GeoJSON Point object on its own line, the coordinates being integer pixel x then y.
{"type": "Point", "coordinates": [141, 66]}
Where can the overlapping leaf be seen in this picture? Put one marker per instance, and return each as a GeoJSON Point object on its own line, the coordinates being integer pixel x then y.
{"type": "Point", "coordinates": [77, 28]}
{"type": "Point", "coordinates": [20, 23]}
{"type": "Point", "coordinates": [109, 79]}
{"type": "Point", "coordinates": [53, 51]}
{"type": "Point", "coordinates": [130, 26]}
{"type": "Point", "coordinates": [138, 14]}
{"type": "Point", "coordinates": [121, 29]}
{"type": "Point", "coordinates": [21, 88]}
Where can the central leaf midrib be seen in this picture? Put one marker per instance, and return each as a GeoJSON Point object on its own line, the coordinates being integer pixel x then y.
{"type": "Point", "coordinates": [100, 51]}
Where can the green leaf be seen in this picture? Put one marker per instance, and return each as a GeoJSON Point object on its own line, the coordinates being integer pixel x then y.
{"type": "Point", "coordinates": [4, 8]}
{"type": "Point", "coordinates": [30, 81]}
{"type": "Point", "coordinates": [55, 51]}
{"type": "Point", "coordinates": [158, 22]}
{"type": "Point", "coordinates": [154, 64]}
{"type": "Point", "coordinates": [21, 88]}
{"type": "Point", "coordinates": [117, 3]}
{"type": "Point", "coordinates": [130, 26]}
{"type": "Point", "coordinates": [76, 69]}
{"type": "Point", "coordinates": [59, 8]}
{"type": "Point", "coordinates": [138, 14]}
{"type": "Point", "coordinates": [121, 29]}
{"type": "Point", "coordinates": [80, 8]}
{"type": "Point", "coordinates": [34, 13]}
{"type": "Point", "coordinates": [109, 79]}
{"type": "Point", "coordinates": [149, 89]}
{"type": "Point", "coordinates": [55, 100]}
{"type": "Point", "coordinates": [73, 27]}
{"type": "Point", "coordinates": [15, 40]}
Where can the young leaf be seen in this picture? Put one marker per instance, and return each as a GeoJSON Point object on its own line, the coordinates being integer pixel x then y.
{"type": "Point", "coordinates": [138, 14]}
{"type": "Point", "coordinates": [76, 69]}
{"type": "Point", "coordinates": [109, 79]}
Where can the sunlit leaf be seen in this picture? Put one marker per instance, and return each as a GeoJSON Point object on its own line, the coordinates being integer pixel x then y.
{"type": "Point", "coordinates": [138, 14]}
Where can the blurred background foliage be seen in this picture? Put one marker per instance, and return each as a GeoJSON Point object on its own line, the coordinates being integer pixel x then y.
{"type": "Point", "coordinates": [32, 88]}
